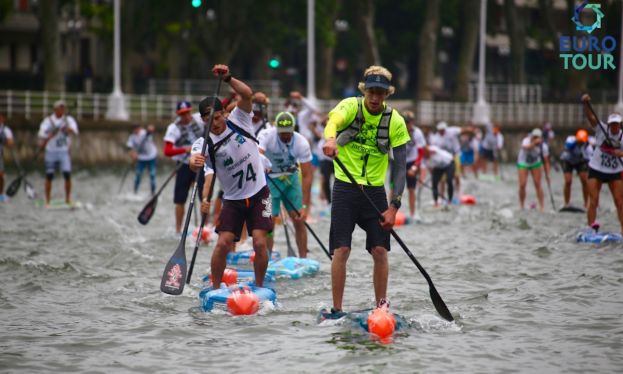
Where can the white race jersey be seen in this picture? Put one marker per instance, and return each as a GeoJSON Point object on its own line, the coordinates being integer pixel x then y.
{"type": "Point", "coordinates": [439, 158]}
{"type": "Point", "coordinates": [449, 141]}
{"type": "Point", "coordinates": [53, 125]}
{"type": "Point", "coordinates": [184, 135]}
{"type": "Point", "coordinates": [239, 167]}
{"type": "Point", "coordinates": [531, 156]}
{"type": "Point", "coordinates": [417, 141]}
{"type": "Point", "coordinates": [143, 144]}
{"type": "Point", "coordinates": [285, 157]}
{"type": "Point", "coordinates": [604, 162]}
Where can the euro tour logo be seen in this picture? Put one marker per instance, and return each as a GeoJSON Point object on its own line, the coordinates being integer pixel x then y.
{"type": "Point", "coordinates": [581, 52]}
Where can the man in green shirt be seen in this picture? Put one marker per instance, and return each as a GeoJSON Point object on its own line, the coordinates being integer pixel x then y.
{"type": "Point", "coordinates": [362, 132]}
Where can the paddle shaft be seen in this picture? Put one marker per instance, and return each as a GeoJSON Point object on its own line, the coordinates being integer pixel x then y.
{"type": "Point", "coordinates": [178, 259]}
{"type": "Point", "coordinates": [289, 203]}
{"type": "Point", "coordinates": [287, 231]}
{"type": "Point", "coordinates": [438, 302]}
{"type": "Point", "coordinates": [200, 232]}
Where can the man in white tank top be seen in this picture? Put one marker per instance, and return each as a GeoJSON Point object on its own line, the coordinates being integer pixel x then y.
{"type": "Point", "coordinates": [235, 159]}
{"type": "Point", "coordinates": [55, 134]}
{"type": "Point", "coordinates": [606, 163]}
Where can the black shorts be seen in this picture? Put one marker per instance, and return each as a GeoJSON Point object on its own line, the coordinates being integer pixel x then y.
{"type": "Point", "coordinates": [487, 154]}
{"type": "Point", "coordinates": [350, 208]}
{"type": "Point", "coordinates": [603, 177]}
{"type": "Point", "coordinates": [411, 181]}
{"type": "Point", "coordinates": [183, 180]}
{"type": "Point", "coordinates": [256, 211]}
{"type": "Point", "coordinates": [582, 167]}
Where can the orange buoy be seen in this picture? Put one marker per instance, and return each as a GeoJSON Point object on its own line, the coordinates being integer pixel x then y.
{"type": "Point", "coordinates": [205, 234]}
{"type": "Point", "coordinates": [400, 218]}
{"type": "Point", "coordinates": [381, 322]}
{"type": "Point", "coordinates": [468, 200]}
{"type": "Point", "coordinates": [230, 276]}
{"type": "Point", "coordinates": [243, 302]}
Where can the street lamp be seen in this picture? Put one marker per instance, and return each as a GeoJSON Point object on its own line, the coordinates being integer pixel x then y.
{"type": "Point", "coordinates": [481, 109]}
{"type": "Point", "coordinates": [116, 101]}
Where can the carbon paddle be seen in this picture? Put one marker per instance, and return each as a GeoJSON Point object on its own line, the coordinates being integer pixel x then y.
{"type": "Point", "coordinates": [440, 306]}
{"type": "Point", "coordinates": [14, 186]}
{"type": "Point", "coordinates": [175, 270]}
{"type": "Point", "coordinates": [289, 203]}
{"type": "Point", "coordinates": [150, 208]}
{"type": "Point", "coordinates": [287, 231]}
{"type": "Point", "coordinates": [203, 221]}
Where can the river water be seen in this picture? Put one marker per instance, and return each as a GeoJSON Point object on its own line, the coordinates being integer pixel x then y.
{"type": "Point", "coordinates": [80, 293]}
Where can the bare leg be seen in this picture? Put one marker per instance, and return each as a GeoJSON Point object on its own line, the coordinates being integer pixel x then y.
{"type": "Point", "coordinates": [179, 216]}
{"type": "Point", "coordinates": [616, 188]}
{"type": "Point", "coordinates": [536, 178]}
{"type": "Point", "coordinates": [523, 179]}
{"type": "Point", "coordinates": [381, 273]}
{"type": "Point", "coordinates": [47, 190]}
{"type": "Point", "coordinates": [261, 256]}
{"type": "Point", "coordinates": [594, 188]}
{"type": "Point", "coordinates": [567, 189]}
{"type": "Point", "coordinates": [300, 234]}
{"type": "Point", "coordinates": [411, 201]}
{"type": "Point", "coordinates": [68, 190]}
{"type": "Point", "coordinates": [584, 181]}
{"type": "Point", "coordinates": [219, 257]}
{"type": "Point", "coordinates": [338, 275]}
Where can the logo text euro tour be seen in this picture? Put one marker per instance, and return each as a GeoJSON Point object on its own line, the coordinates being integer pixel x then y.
{"type": "Point", "coordinates": [590, 51]}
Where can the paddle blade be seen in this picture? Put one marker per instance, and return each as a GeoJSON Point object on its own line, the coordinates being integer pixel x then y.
{"type": "Point", "coordinates": [174, 274]}
{"type": "Point", "coordinates": [30, 191]}
{"type": "Point", "coordinates": [441, 307]}
{"type": "Point", "coordinates": [145, 215]}
{"type": "Point", "coordinates": [14, 187]}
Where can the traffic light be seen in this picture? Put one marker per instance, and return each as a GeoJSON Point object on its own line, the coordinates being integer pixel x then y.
{"type": "Point", "coordinates": [274, 63]}
{"type": "Point", "coordinates": [196, 3]}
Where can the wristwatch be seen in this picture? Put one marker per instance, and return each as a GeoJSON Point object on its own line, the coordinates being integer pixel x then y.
{"type": "Point", "coordinates": [396, 203]}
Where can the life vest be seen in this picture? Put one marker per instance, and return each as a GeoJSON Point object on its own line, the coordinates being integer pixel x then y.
{"type": "Point", "coordinates": [382, 132]}
{"type": "Point", "coordinates": [185, 130]}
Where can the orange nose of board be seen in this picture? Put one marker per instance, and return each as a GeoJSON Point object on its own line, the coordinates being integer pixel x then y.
{"type": "Point", "coordinates": [381, 322]}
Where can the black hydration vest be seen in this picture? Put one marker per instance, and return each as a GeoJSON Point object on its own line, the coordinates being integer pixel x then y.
{"type": "Point", "coordinates": [382, 133]}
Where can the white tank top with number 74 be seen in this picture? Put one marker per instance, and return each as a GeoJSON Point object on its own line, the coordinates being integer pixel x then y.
{"type": "Point", "coordinates": [239, 167]}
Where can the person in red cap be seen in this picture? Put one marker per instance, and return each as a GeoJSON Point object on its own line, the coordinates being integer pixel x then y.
{"type": "Point", "coordinates": [178, 142]}
{"type": "Point", "coordinates": [606, 163]}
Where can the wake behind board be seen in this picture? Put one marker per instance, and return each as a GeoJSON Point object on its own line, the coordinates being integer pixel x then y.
{"type": "Point", "coordinates": [218, 298]}
{"type": "Point", "coordinates": [58, 204]}
{"type": "Point", "coordinates": [590, 236]}
{"type": "Point", "coordinates": [358, 319]}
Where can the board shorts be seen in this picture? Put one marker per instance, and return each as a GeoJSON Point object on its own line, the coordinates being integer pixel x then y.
{"type": "Point", "coordinates": [488, 154]}
{"type": "Point", "coordinates": [467, 158]}
{"type": "Point", "coordinates": [603, 177]}
{"type": "Point", "coordinates": [255, 211]}
{"type": "Point", "coordinates": [567, 167]}
{"type": "Point", "coordinates": [536, 165]}
{"type": "Point", "coordinates": [184, 179]}
{"type": "Point", "coordinates": [290, 185]}
{"type": "Point", "coordinates": [57, 160]}
{"type": "Point", "coordinates": [349, 208]}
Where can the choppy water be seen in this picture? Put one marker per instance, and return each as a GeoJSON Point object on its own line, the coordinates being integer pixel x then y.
{"type": "Point", "coordinates": [80, 292]}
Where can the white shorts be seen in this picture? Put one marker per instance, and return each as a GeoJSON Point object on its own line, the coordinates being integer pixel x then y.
{"type": "Point", "coordinates": [57, 159]}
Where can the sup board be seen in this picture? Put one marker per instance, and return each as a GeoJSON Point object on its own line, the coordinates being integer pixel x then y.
{"type": "Point", "coordinates": [358, 319]}
{"type": "Point", "coordinates": [589, 236]}
{"type": "Point", "coordinates": [217, 298]}
{"type": "Point", "coordinates": [58, 204]}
